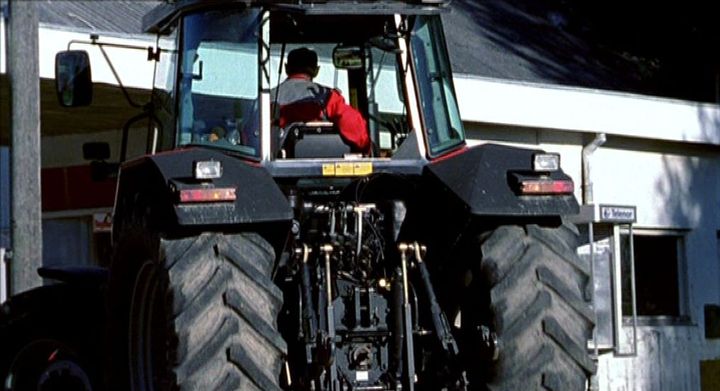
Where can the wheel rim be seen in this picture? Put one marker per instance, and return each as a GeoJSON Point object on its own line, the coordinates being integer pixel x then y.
{"type": "Point", "coordinates": [47, 365]}
{"type": "Point", "coordinates": [64, 375]}
{"type": "Point", "coordinates": [147, 335]}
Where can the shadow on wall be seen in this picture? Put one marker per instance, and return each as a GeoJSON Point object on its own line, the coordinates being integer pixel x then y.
{"type": "Point", "coordinates": [680, 186]}
{"type": "Point", "coordinates": [666, 361]}
{"type": "Point", "coordinates": [690, 186]}
{"type": "Point", "coordinates": [690, 191]}
{"type": "Point", "coordinates": [687, 188]}
{"type": "Point", "coordinates": [532, 41]}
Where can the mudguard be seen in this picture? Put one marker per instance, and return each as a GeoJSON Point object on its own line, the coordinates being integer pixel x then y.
{"type": "Point", "coordinates": [149, 185]}
{"type": "Point", "coordinates": [481, 178]}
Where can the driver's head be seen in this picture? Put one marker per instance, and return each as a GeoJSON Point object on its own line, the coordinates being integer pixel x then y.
{"type": "Point", "coordinates": [302, 60]}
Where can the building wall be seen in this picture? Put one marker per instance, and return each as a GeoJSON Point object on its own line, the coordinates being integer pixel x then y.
{"type": "Point", "coordinates": [75, 205]}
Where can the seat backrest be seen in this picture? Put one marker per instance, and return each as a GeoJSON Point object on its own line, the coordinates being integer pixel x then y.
{"type": "Point", "coordinates": [305, 140]}
{"type": "Point", "coordinates": [325, 145]}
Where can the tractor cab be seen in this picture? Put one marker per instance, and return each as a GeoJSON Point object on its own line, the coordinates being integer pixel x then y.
{"type": "Point", "coordinates": [220, 68]}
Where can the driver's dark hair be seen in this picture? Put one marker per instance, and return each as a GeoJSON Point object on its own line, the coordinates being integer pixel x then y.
{"type": "Point", "coordinates": [302, 60]}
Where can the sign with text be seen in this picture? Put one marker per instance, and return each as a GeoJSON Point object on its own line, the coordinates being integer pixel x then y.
{"type": "Point", "coordinates": [617, 214]}
{"type": "Point", "coordinates": [102, 222]}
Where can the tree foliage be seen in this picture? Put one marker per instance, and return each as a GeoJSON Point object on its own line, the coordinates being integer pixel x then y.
{"type": "Point", "coordinates": [654, 48]}
{"type": "Point", "coordinates": [674, 46]}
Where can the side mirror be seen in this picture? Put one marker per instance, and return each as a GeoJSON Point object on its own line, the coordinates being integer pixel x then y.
{"type": "Point", "coordinates": [96, 151]}
{"type": "Point", "coordinates": [73, 79]}
{"type": "Point", "coordinates": [348, 57]}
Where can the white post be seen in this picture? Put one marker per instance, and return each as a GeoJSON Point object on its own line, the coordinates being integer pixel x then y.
{"type": "Point", "coordinates": [24, 74]}
{"type": "Point", "coordinates": [3, 276]}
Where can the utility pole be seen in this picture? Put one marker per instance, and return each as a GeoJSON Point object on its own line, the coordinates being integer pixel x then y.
{"type": "Point", "coordinates": [24, 75]}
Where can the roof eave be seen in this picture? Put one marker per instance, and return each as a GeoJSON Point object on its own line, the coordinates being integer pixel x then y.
{"type": "Point", "coordinates": [160, 18]}
{"type": "Point", "coordinates": [377, 7]}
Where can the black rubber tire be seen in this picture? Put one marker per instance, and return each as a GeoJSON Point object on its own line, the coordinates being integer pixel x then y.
{"type": "Point", "coordinates": [534, 287]}
{"type": "Point", "coordinates": [214, 295]}
{"type": "Point", "coordinates": [50, 339]}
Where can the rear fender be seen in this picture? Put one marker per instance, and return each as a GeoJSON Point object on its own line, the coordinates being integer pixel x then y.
{"type": "Point", "coordinates": [149, 186]}
{"type": "Point", "coordinates": [480, 179]}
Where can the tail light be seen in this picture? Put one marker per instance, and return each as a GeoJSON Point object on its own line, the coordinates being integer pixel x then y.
{"type": "Point", "coordinates": [209, 194]}
{"type": "Point", "coordinates": [545, 186]}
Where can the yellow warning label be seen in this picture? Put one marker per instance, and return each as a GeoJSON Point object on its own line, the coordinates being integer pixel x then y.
{"type": "Point", "coordinates": [347, 169]}
{"type": "Point", "coordinates": [362, 168]}
{"type": "Point", "coordinates": [344, 169]}
{"type": "Point", "coordinates": [328, 169]}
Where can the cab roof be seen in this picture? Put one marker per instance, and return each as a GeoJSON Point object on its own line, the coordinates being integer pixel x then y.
{"type": "Point", "coordinates": [163, 16]}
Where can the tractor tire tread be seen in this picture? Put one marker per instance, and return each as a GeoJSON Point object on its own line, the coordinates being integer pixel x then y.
{"type": "Point", "coordinates": [536, 286]}
{"type": "Point", "coordinates": [207, 276]}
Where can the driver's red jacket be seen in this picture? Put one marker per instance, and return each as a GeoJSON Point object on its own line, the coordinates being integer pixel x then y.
{"type": "Point", "coordinates": [301, 100]}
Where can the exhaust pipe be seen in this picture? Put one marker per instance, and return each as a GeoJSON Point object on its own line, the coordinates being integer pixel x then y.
{"type": "Point", "coordinates": [587, 151]}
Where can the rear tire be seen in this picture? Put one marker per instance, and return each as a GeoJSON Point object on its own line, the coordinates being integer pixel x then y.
{"type": "Point", "coordinates": [202, 315]}
{"type": "Point", "coordinates": [533, 285]}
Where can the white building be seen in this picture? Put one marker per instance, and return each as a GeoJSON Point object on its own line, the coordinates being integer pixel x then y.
{"type": "Point", "coordinates": [660, 155]}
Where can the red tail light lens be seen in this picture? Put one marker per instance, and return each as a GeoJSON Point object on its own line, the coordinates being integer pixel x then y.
{"type": "Point", "coordinates": [546, 187]}
{"type": "Point", "coordinates": [207, 195]}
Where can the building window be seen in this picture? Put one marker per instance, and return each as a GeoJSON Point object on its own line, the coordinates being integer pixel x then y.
{"type": "Point", "coordinates": [67, 241]}
{"type": "Point", "coordinates": [659, 274]}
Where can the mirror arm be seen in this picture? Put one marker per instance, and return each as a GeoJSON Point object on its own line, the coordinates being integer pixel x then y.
{"type": "Point", "coordinates": [152, 55]}
{"type": "Point", "coordinates": [147, 113]}
{"type": "Point", "coordinates": [117, 77]}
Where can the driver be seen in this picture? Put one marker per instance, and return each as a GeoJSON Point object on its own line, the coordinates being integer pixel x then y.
{"type": "Point", "coordinates": [299, 99]}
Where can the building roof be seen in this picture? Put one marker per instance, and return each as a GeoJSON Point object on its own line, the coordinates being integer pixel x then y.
{"type": "Point", "coordinates": [116, 16]}
{"type": "Point", "coordinates": [528, 40]}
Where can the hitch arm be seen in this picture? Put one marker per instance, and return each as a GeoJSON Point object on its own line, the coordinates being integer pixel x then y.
{"type": "Point", "coordinates": [440, 322]}
{"type": "Point", "coordinates": [407, 316]}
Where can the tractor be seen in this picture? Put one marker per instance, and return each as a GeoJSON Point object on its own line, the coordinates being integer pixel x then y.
{"type": "Point", "coordinates": [276, 258]}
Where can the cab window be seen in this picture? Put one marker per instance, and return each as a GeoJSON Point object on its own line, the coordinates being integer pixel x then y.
{"type": "Point", "coordinates": [369, 79]}
{"type": "Point", "coordinates": [218, 81]}
{"type": "Point", "coordinates": [439, 106]}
